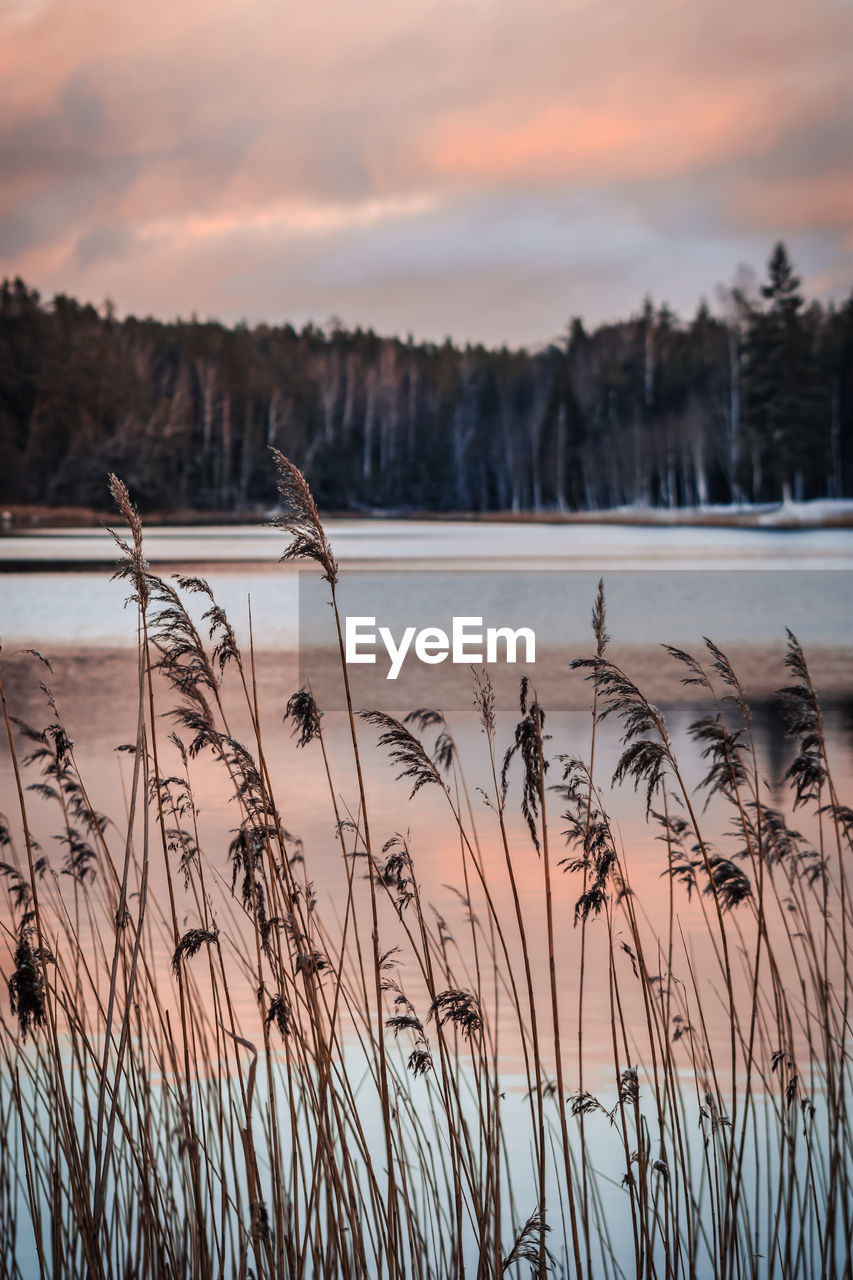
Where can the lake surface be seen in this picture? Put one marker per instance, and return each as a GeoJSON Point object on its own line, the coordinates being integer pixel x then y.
{"type": "Point", "coordinates": [741, 587]}
{"type": "Point", "coordinates": [674, 585]}
{"type": "Point", "coordinates": [582, 546]}
{"type": "Point", "coordinates": [663, 585]}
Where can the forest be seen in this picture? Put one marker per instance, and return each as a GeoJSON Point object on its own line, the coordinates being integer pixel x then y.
{"type": "Point", "coordinates": [753, 404]}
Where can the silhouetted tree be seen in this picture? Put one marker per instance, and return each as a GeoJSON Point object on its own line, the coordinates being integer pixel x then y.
{"type": "Point", "coordinates": [755, 403]}
{"type": "Point", "coordinates": [786, 410]}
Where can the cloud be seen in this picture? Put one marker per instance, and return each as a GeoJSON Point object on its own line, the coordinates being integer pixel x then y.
{"type": "Point", "coordinates": [796, 204]}
{"type": "Point", "coordinates": [178, 156]}
{"type": "Point", "coordinates": [103, 243]}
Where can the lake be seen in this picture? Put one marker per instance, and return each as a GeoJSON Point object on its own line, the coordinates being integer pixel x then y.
{"type": "Point", "coordinates": [741, 587]}
{"type": "Point", "coordinates": [663, 585]}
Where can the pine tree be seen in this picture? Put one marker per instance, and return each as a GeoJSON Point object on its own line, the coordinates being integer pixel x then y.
{"type": "Point", "coordinates": [647, 410]}
{"type": "Point", "coordinates": [785, 410]}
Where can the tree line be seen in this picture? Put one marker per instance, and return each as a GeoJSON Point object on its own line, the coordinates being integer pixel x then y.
{"type": "Point", "coordinates": [753, 405]}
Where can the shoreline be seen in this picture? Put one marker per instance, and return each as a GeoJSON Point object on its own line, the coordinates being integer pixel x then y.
{"type": "Point", "coordinates": [820, 513]}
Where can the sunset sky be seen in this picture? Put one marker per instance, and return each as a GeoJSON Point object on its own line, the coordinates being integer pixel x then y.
{"type": "Point", "coordinates": [476, 168]}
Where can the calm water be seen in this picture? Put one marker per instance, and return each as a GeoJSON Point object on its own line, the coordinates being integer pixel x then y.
{"type": "Point", "coordinates": [582, 545]}
{"type": "Point", "coordinates": [675, 585]}
{"type": "Point", "coordinates": [742, 587]}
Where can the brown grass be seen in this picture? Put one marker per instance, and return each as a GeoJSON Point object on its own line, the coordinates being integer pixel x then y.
{"type": "Point", "coordinates": [224, 1078]}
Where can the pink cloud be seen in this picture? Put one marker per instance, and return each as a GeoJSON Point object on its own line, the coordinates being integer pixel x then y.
{"type": "Point", "coordinates": [133, 137]}
{"type": "Point", "coordinates": [820, 200]}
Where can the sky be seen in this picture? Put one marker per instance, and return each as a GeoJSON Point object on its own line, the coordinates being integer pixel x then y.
{"type": "Point", "coordinates": [480, 169]}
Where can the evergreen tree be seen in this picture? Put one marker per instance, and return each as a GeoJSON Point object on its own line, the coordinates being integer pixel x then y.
{"type": "Point", "coordinates": [646, 411]}
{"type": "Point", "coordinates": [785, 402]}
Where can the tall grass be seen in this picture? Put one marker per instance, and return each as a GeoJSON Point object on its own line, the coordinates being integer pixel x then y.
{"type": "Point", "coordinates": [278, 1090]}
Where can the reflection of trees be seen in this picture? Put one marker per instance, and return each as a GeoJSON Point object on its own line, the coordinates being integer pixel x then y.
{"type": "Point", "coordinates": [771, 739]}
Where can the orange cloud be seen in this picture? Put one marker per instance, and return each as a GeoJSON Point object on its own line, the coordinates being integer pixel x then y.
{"type": "Point", "coordinates": [820, 200]}
{"type": "Point", "coordinates": [162, 152]}
{"type": "Point", "coordinates": [569, 142]}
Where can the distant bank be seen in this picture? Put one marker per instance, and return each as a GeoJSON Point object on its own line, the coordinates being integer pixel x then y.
{"type": "Point", "coordinates": [822, 513]}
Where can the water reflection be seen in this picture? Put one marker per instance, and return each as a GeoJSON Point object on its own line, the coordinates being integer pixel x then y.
{"type": "Point", "coordinates": [92, 693]}
{"type": "Point", "coordinates": [93, 688]}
